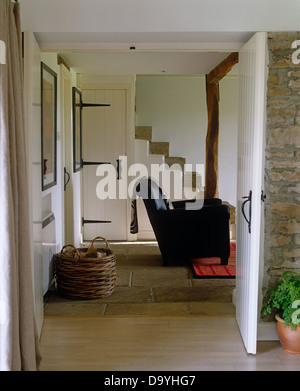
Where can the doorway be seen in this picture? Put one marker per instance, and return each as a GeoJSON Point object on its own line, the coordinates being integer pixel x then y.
{"type": "Point", "coordinates": [142, 273]}
{"type": "Point", "coordinates": [244, 303]}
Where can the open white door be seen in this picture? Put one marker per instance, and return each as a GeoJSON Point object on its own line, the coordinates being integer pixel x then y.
{"type": "Point", "coordinates": [32, 102]}
{"type": "Point", "coordinates": [251, 133]}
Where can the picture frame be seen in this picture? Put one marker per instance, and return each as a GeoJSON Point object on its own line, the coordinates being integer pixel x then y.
{"type": "Point", "coordinates": [77, 129]}
{"type": "Point", "coordinates": [48, 126]}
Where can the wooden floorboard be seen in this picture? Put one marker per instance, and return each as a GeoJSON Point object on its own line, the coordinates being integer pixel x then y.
{"type": "Point", "coordinates": [187, 343]}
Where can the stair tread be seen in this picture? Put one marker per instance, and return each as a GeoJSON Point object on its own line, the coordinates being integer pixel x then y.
{"type": "Point", "coordinates": [143, 133]}
{"type": "Point", "coordinates": [160, 147]}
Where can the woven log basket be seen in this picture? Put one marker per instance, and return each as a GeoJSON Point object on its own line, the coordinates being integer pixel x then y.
{"type": "Point", "coordinates": [85, 273]}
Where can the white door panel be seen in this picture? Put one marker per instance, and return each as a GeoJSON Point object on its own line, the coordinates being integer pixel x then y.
{"type": "Point", "coordinates": [103, 140]}
{"type": "Point", "coordinates": [252, 63]}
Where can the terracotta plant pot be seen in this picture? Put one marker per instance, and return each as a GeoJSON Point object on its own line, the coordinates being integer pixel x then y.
{"type": "Point", "coordinates": [289, 339]}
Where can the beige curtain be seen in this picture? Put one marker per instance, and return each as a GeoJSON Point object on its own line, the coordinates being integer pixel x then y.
{"type": "Point", "coordinates": [18, 338]}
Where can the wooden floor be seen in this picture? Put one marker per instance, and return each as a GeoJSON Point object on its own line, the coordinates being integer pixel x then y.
{"type": "Point", "coordinates": [139, 343]}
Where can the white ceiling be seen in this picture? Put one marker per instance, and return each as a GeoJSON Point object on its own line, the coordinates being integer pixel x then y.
{"type": "Point", "coordinates": [124, 63]}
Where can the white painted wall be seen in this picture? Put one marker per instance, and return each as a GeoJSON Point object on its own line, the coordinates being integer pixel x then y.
{"type": "Point", "coordinates": [176, 109]}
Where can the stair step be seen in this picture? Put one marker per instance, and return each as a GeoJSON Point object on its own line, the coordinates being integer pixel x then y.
{"type": "Point", "coordinates": [143, 133]}
{"type": "Point", "coordinates": [160, 148]}
{"type": "Point", "coordinates": [170, 160]}
{"type": "Point", "coordinates": [192, 179]}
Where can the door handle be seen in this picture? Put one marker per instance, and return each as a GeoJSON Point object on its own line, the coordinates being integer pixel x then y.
{"type": "Point", "coordinates": [248, 199]}
{"type": "Point", "coordinates": [68, 178]}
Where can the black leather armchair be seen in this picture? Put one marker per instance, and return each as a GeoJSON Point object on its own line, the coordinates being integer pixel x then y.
{"type": "Point", "coordinates": [184, 234]}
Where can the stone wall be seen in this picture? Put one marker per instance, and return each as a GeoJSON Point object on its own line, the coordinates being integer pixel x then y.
{"type": "Point", "coordinates": [282, 166]}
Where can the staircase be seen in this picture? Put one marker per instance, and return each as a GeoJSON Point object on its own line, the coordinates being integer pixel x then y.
{"type": "Point", "coordinates": [158, 152]}
{"type": "Point", "coordinates": [157, 147]}
{"type": "Point", "coordinates": [148, 152]}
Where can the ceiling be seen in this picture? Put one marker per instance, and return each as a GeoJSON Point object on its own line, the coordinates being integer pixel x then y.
{"type": "Point", "coordinates": [150, 63]}
{"type": "Point", "coordinates": [143, 53]}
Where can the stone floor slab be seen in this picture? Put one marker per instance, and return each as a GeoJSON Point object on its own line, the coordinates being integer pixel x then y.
{"type": "Point", "coordinates": [153, 277]}
{"type": "Point", "coordinates": [150, 309]}
{"type": "Point", "coordinates": [74, 308]}
{"type": "Point", "coordinates": [212, 308]}
{"type": "Point", "coordinates": [195, 293]}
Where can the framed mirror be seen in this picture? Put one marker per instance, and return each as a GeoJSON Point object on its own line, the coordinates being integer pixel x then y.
{"type": "Point", "coordinates": [77, 130]}
{"type": "Point", "coordinates": [48, 126]}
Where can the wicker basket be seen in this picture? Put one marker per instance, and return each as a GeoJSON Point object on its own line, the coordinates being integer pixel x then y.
{"type": "Point", "coordinates": [85, 273]}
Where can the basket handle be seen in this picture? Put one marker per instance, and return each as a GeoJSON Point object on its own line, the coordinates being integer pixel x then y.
{"type": "Point", "coordinates": [100, 237]}
{"type": "Point", "coordinates": [70, 245]}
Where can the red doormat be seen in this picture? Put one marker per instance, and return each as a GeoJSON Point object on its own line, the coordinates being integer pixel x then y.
{"type": "Point", "coordinates": [212, 268]}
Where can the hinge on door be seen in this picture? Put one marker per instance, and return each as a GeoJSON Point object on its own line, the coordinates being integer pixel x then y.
{"type": "Point", "coordinates": [83, 221]}
{"type": "Point", "coordinates": [84, 163]}
{"type": "Point", "coordinates": [263, 196]}
{"type": "Point", "coordinates": [83, 105]}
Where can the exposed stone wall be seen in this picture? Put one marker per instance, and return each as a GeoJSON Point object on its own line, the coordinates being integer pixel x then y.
{"type": "Point", "coordinates": [282, 168]}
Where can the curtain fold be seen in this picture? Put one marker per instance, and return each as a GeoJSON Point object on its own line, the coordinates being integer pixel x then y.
{"type": "Point", "coordinates": [19, 348]}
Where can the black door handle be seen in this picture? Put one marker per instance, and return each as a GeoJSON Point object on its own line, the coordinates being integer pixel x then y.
{"type": "Point", "coordinates": [68, 178]}
{"type": "Point", "coordinates": [248, 199]}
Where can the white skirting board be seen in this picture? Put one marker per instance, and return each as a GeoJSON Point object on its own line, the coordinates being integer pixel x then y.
{"type": "Point", "coordinates": [267, 331]}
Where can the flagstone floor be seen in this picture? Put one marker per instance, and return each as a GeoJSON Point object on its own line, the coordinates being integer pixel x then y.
{"type": "Point", "coordinates": [145, 287]}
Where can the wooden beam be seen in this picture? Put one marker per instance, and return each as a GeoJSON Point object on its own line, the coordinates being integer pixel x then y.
{"type": "Point", "coordinates": [212, 137]}
{"type": "Point", "coordinates": [60, 60]}
{"type": "Point", "coordinates": [223, 68]}
{"type": "Point", "coordinates": [212, 141]}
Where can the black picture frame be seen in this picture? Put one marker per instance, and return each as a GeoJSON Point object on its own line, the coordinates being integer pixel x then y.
{"type": "Point", "coordinates": [77, 129]}
{"type": "Point", "coordinates": [48, 127]}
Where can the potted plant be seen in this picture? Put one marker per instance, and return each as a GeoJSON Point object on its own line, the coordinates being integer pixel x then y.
{"type": "Point", "coordinates": [285, 300]}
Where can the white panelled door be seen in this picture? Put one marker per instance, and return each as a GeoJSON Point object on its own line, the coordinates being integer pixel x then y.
{"type": "Point", "coordinates": [252, 63]}
{"type": "Point", "coordinates": [104, 139]}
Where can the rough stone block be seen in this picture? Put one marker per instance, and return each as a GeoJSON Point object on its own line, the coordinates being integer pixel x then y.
{"type": "Point", "coordinates": [277, 240]}
{"type": "Point", "coordinates": [286, 210]}
{"type": "Point", "coordinates": [288, 176]}
{"type": "Point", "coordinates": [280, 137]}
{"type": "Point", "coordinates": [289, 227]}
{"type": "Point", "coordinates": [294, 84]}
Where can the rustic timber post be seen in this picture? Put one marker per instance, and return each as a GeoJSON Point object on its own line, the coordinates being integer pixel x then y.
{"type": "Point", "coordinates": [212, 137]}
